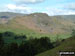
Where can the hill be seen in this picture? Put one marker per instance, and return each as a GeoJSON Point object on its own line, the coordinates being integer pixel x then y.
{"type": "Point", "coordinates": [67, 45]}
{"type": "Point", "coordinates": [38, 24]}
{"type": "Point", "coordinates": [6, 16]}
{"type": "Point", "coordinates": [41, 22]}
{"type": "Point", "coordinates": [9, 14]}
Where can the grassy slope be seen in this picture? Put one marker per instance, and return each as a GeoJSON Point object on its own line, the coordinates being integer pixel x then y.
{"type": "Point", "coordinates": [68, 45]}
{"type": "Point", "coordinates": [30, 33]}
{"type": "Point", "coordinates": [31, 25]}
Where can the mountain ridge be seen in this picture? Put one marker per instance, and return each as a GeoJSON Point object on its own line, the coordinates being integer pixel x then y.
{"type": "Point", "coordinates": [41, 22]}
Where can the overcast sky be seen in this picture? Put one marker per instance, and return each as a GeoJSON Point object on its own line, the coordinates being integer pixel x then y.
{"type": "Point", "coordinates": [51, 7]}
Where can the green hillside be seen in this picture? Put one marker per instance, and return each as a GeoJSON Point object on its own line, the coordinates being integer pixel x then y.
{"type": "Point", "coordinates": [37, 25]}
{"type": "Point", "coordinates": [67, 45]}
{"type": "Point", "coordinates": [39, 22]}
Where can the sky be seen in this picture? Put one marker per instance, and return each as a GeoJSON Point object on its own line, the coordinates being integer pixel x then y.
{"type": "Point", "coordinates": [51, 7]}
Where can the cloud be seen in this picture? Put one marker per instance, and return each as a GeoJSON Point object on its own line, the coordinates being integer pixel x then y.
{"type": "Point", "coordinates": [65, 9]}
{"type": "Point", "coordinates": [18, 9]}
{"type": "Point", "coordinates": [28, 1]}
{"type": "Point", "coordinates": [27, 10]}
{"type": "Point", "coordinates": [57, 11]}
{"type": "Point", "coordinates": [70, 6]}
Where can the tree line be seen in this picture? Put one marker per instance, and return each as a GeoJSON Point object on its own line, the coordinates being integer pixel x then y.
{"type": "Point", "coordinates": [30, 47]}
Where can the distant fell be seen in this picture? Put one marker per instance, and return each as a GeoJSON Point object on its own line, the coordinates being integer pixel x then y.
{"type": "Point", "coordinates": [41, 22]}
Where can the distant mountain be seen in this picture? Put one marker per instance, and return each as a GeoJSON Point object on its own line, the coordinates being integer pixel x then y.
{"type": "Point", "coordinates": [9, 14]}
{"type": "Point", "coordinates": [42, 23]}
{"type": "Point", "coordinates": [5, 16]}
{"type": "Point", "coordinates": [69, 17]}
